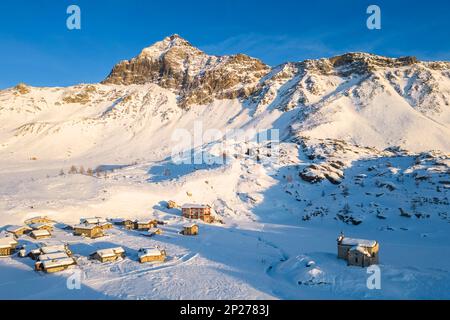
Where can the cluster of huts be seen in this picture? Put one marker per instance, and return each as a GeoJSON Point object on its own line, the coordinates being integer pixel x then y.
{"type": "Point", "coordinates": [54, 258]}
{"type": "Point", "coordinates": [37, 228]}
{"type": "Point", "coordinates": [92, 227]}
{"type": "Point", "coordinates": [148, 225]}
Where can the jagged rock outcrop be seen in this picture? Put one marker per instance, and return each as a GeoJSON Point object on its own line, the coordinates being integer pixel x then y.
{"type": "Point", "coordinates": [197, 78]}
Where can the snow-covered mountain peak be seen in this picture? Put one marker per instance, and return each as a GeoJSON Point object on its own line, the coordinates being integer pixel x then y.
{"type": "Point", "coordinates": [362, 98]}
{"type": "Point", "coordinates": [173, 42]}
{"type": "Point", "coordinates": [197, 78]}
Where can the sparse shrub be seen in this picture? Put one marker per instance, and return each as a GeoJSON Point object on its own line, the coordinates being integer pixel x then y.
{"type": "Point", "coordinates": [346, 209]}
{"type": "Point", "coordinates": [73, 170]}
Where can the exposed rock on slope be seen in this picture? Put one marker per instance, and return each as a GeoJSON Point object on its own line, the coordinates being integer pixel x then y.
{"type": "Point", "coordinates": [195, 76]}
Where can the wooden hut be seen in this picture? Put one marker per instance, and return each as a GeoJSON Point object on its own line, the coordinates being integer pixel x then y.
{"type": "Point", "coordinates": [88, 230]}
{"type": "Point", "coordinates": [94, 220]}
{"type": "Point", "coordinates": [151, 255]}
{"type": "Point", "coordinates": [154, 231]}
{"type": "Point", "coordinates": [18, 230]}
{"type": "Point", "coordinates": [7, 246]}
{"type": "Point", "coordinates": [101, 222]}
{"type": "Point", "coordinates": [40, 234]}
{"type": "Point", "coordinates": [127, 224]}
{"type": "Point", "coordinates": [39, 219]}
{"type": "Point", "coordinates": [54, 262]}
{"type": "Point", "coordinates": [106, 225]}
{"type": "Point", "coordinates": [358, 252]}
{"type": "Point", "coordinates": [48, 250]}
{"type": "Point", "coordinates": [197, 211]}
{"type": "Point", "coordinates": [171, 204]}
{"type": "Point", "coordinates": [190, 229]}
{"type": "Point", "coordinates": [41, 226]}
{"type": "Point", "coordinates": [108, 255]}
{"type": "Point", "coordinates": [144, 224]}
{"type": "Point", "coordinates": [53, 258]}
{"type": "Point", "coordinates": [117, 221]}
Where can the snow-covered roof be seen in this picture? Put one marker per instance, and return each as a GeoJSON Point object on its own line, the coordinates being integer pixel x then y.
{"type": "Point", "coordinates": [39, 218]}
{"type": "Point", "coordinates": [40, 233]}
{"type": "Point", "coordinates": [58, 263]}
{"type": "Point", "coordinates": [360, 249]}
{"type": "Point", "coordinates": [149, 252]}
{"type": "Point", "coordinates": [194, 206]}
{"type": "Point", "coordinates": [111, 252]}
{"type": "Point", "coordinates": [189, 225]}
{"type": "Point", "coordinates": [53, 256]}
{"type": "Point", "coordinates": [358, 242]}
{"type": "Point", "coordinates": [7, 242]}
{"type": "Point", "coordinates": [17, 228]}
{"type": "Point", "coordinates": [141, 221]}
{"type": "Point", "coordinates": [85, 226]}
{"type": "Point", "coordinates": [39, 225]}
{"type": "Point", "coordinates": [53, 249]}
{"type": "Point", "coordinates": [94, 220]}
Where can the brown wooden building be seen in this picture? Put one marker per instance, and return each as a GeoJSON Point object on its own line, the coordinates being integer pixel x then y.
{"type": "Point", "coordinates": [126, 223]}
{"type": "Point", "coordinates": [19, 230]}
{"type": "Point", "coordinates": [41, 226]}
{"type": "Point", "coordinates": [40, 234]}
{"type": "Point", "coordinates": [7, 246]}
{"type": "Point", "coordinates": [154, 231]}
{"type": "Point", "coordinates": [190, 229]}
{"type": "Point", "coordinates": [151, 255]}
{"type": "Point", "coordinates": [108, 255]}
{"type": "Point", "coordinates": [54, 262]}
{"type": "Point", "coordinates": [197, 211]}
{"type": "Point", "coordinates": [98, 221]}
{"type": "Point", "coordinates": [39, 219]}
{"type": "Point", "coordinates": [142, 225]}
{"type": "Point", "coordinates": [49, 249]}
{"type": "Point", "coordinates": [88, 230]}
{"type": "Point", "coordinates": [171, 204]}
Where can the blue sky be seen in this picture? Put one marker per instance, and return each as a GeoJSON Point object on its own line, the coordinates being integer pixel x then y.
{"type": "Point", "coordinates": [38, 49]}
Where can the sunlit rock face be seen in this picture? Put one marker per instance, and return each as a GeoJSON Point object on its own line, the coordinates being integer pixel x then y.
{"type": "Point", "coordinates": [196, 77]}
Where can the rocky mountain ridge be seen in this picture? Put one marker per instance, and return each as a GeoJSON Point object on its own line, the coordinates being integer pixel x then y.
{"type": "Point", "coordinates": [360, 98]}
